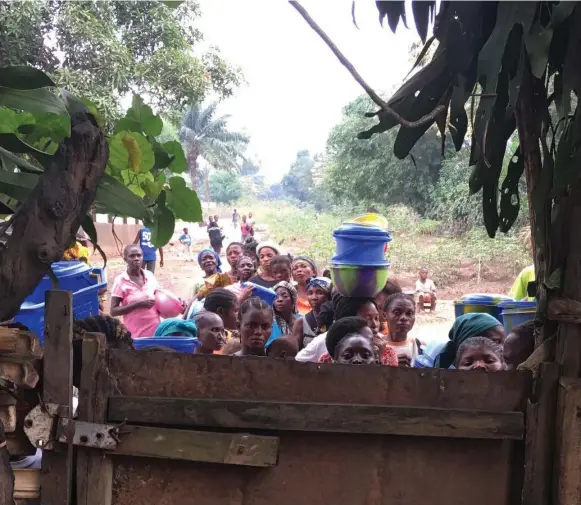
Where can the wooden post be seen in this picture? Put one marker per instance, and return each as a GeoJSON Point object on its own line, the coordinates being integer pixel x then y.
{"type": "Point", "coordinates": [55, 480]}
{"type": "Point", "coordinates": [94, 468]}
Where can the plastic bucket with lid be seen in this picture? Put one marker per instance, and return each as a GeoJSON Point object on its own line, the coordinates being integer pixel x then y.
{"type": "Point", "coordinates": [360, 245]}
{"type": "Point", "coordinates": [265, 294]}
{"type": "Point", "coordinates": [515, 313]}
{"type": "Point", "coordinates": [358, 280]}
{"type": "Point", "coordinates": [481, 303]}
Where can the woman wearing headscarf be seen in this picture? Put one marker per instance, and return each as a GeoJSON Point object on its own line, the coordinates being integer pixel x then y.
{"type": "Point", "coordinates": [307, 328]}
{"type": "Point", "coordinates": [442, 355]}
{"type": "Point", "coordinates": [213, 277]}
{"type": "Point", "coordinates": [303, 268]}
{"type": "Point", "coordinates": [265, 252]}
{"type": "Point", "coordinates": [285, 307]}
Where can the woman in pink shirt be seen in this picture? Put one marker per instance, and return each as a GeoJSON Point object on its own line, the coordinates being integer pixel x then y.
{"type": "Point", "coordinates": [133, 295]}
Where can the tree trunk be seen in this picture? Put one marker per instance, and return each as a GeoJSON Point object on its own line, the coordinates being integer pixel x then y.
{"type": "Point", "coordinates": [207, 186]}
{"type": "Point", "coordinates": [46, 223]}
{"type": "Point", "coordinates": [193, 155]}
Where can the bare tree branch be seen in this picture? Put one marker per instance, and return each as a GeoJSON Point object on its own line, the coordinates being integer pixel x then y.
{"type": "Point", "coordinates": [428, 118]}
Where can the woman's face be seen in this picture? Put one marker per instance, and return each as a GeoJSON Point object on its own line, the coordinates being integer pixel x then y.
{"type": "Point", "coordinates": [400, 317]}
{"type": "Point", "coordinates": [356, 349]}
{"type": "Point", "coordinates": [233, 253]}
{"type": "Point", "coordinates": [281, 272]}
{"type": "Point", "coordinates": [245, 269]}
{"type": "Point", "coordinates": [496, 334]}
{"type": "Point", "coordinates": [302, 271]}
{"type": "Point", "coordinates": [316, 296]}
{"type": "Point", "coordinates": [480, 358]}
{"type": "Point", "coordinates": [265, 255]}
{"type": "Point", "coordinates": [134, 258]}
{"type": "Point", "coordinates": [284, 302]}
{"type": "Point", "coordinates": [255, 328]}
{"type": "Point", "coordinates": [209, 263]}
{"type": "Point", "coordinates": [230, 316]}
{"type": "Point", "coordinates": [371, 315]}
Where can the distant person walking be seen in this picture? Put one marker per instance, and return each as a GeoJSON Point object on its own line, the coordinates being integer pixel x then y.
{"type": "Point", "coordinates": [143, 238]}
{"type": "Point", "coordinates": [186, 240]}
{"type": "Point", "coordinates": [235, 218]}
{"type": "Point", "coordinates": [216, 236]}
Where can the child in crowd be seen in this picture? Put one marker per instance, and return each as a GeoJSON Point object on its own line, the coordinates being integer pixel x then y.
{"type": "Point", "coordinates": [186, 240]}
{"type": "Point", "coordinates": [280, 266]}
{"type": "Point", "coordinates": [480, 353]}
{"type": "Point", "coordinates": [234, 252]}
{"type": "Point", "coordinates": [210, 333]}
{"type": "Point", "coordinates": [303, 268]}
{"type": "Point", "coordinates": [283, 348]}
{"type": "Point", "coordinates": [245, 269]}
{"type": "Point", "coordinates": [425, 291]}
{"type": "Point", "coordinates": [255, 325]}
{"type": "Point", "coordinates": [400, 315]}
{"type": "Point", "coordinates": [307, 328]}
{"type": "Point", "coordinates": [350, 341]}
{"type": "Point", "coordinates": [223, 302]}
{"type": "Point", "coordinates": [391, 287]}
{"type": "Point", "coordinates": [285, 306]}
{"type": "Point", "coordinates": [519, 344]}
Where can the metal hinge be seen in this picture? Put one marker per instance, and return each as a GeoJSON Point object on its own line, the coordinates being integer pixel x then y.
{"type": "Point", "coordinates": [43, 426]}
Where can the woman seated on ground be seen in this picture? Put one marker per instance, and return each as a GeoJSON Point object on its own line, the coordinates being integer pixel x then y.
{"type": "Point", "coordinates": [307, 328]}
{"type": "Point", "coordinates": [255, 325]}
{"type": "Point", "coordinates": [303, 268]}
{"type": "Point", "coordinates": [350, 341]}
{"type": "Point", "coordinates": [400, 314]}
{"type": "Point", "coordinates": [442, 355]}
{"type": "Point", "coordinates": [265, 251]}
{"type": "Point", "coordinates": [234, 252]}
{"type": "Point", "coordinates": [480, 353]}
{"type": "Point", "coordinates": [344, 307]}
{"type": "Point", "coordinates": [285, 309]}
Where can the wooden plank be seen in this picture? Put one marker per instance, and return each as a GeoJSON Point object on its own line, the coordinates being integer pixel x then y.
{"type": "Point", "coordinates": [370, 419]}
{"type": "Point", "coordinates": [568, 461]}
{"type": "Point", "coordinates": [193, 376]}
{"type": "Point", "coordinates": [94, 469]}
{"type": "Point", "coordinates": [203, 446]}
{"type": "Point", "coordinates": [539, 442]}
{"type": "Point", "coordinates": [56, 476]}
{"type": "Point", "coordinates": [19, 342]}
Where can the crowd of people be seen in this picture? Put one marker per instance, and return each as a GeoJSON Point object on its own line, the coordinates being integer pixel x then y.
{"type": "Point", "coordinates": [307, 319]}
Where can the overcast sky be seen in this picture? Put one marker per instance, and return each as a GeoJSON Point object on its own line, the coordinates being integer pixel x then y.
{"type": "Point", "coordinates": [296, 87]}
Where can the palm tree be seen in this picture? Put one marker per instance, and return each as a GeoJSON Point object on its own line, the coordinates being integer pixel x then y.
{"type": "Point", "coordinates": [205, 136]}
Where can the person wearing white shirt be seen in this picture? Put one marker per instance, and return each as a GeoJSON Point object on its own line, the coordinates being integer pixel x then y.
{"type": "Point", "coordinates": [425, 291]}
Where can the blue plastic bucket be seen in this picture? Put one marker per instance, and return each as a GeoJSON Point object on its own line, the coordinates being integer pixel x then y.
{"type": "Point", "coordinates": [515, 313]}
{"type": "Point", "coordinates": [180, 344]}
{"type": "Point", "coordinates": [360, 245]}
{"type": "Point", "coordinates": [265, 294]}
{"type": "Point", "coordinates": [481, 303]}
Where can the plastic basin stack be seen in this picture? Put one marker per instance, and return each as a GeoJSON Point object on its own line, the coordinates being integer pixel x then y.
{"type": "Point", "coordinates": [359, 267]}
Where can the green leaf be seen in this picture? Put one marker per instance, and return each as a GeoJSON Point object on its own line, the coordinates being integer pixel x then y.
{"type": "Point", "coordinates": [24, 165]}
{"type": "Point", "coordinates": [11, 120]}
{"type": "Point", "coordinates": [141, 156]}
{"type": "Point", "coordinates": [178, 164]}
{"type": "Point", "coordinates": [118, 200]}
{"type": "Point", "coordinates": [163, 224]}
{"type": "Point", "coordinates": [33, 100]}
{"type": "Point", "coordinates": [141, 119]}
{"type": "Point", "coordinates": [184, 202]}
{"type": "Point", "coordinates": [17, 185]}
{"type": "Point", "coordinates": [50, 126]}
{"type": "Point", "coordinates": [14, 144]}
{"type": "Point", "coordinates": [173, 4]}
{"type": "Point", "coordinates": [118, 155]}
{"type": "Point", "coordinates": [24, 77]}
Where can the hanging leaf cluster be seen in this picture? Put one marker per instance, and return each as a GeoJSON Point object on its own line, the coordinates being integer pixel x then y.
{"type": "Point", "coordinates": [35, 117]}
{"type": "Point", "coordinates": [483, 49]}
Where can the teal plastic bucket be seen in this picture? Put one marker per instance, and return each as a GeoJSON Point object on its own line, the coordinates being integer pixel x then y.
{"type": "Point", "coordinates": [516, 313]}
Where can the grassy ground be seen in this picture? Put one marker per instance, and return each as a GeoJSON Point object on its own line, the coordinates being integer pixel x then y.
{"type": "Point", "coordinates": [468, 262]}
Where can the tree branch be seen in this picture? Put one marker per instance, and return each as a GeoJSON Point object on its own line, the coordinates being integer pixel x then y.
{"type": "Point", "coordinates": [428, 118]}
{"type": "Point", "coordinates": [45, 224]}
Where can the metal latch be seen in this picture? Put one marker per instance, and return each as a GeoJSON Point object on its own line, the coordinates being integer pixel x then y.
{"type": "Point", "coordinates": [43, 426]}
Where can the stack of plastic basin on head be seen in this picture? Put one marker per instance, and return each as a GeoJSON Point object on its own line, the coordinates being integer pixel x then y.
{"type": "Point", "coordinates": [515, 313]}
{"type": "Point", "coordinates": [359, 267]}
{"type": "Point", "coordinates": [481, 303]}
{"type": "Point", "coordinates": [76, 276]}
{"type": "Point", "coordinates": [180, 344]}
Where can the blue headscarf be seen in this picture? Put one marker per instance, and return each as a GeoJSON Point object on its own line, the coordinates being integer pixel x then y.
{"type": "Point", "coordinates": [205, 251]}
{"type": "Point", "coordinates": [320, 282]}
{"type": "Point", "coordinates": [465, 327]}
{"type": "Point", "coordinates": [187, 328]}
